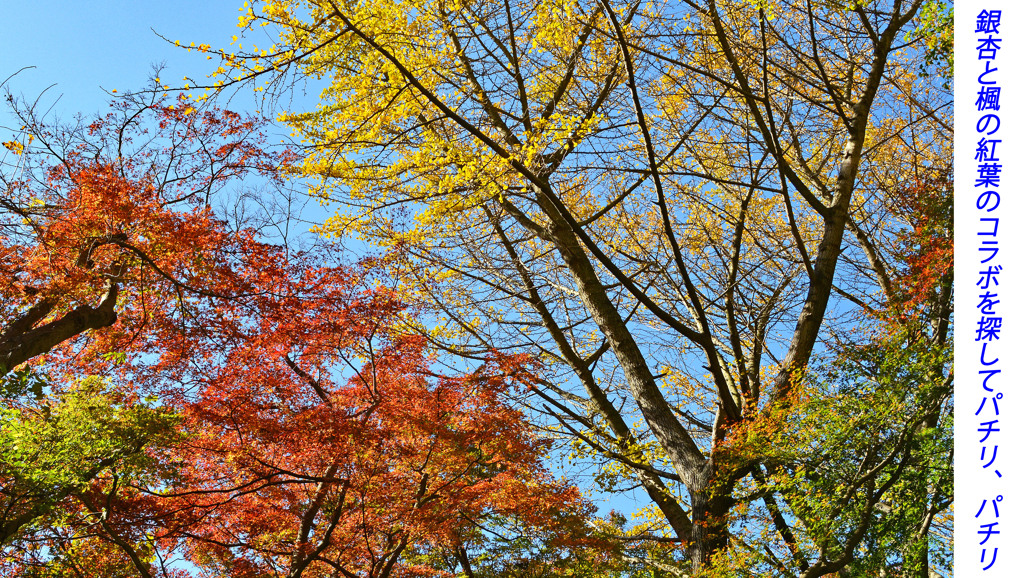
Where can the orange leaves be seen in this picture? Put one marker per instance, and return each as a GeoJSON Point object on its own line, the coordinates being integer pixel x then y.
{"type": "Point", "coordinates": [314, 433]}
{"type": "Point", "coordinates": [397, 455]}
{"type": "Point", "coordinates": [927, 249]}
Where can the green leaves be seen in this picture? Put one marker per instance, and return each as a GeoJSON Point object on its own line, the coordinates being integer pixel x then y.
{"type": "Point", "coordinates": [936, 27]}
{"type": "Point", "coordinates": [54, 446]}
{"type": "Point", "coordinates": [63, 439]}
{"type": "Point", "coordinates": [863, 458]}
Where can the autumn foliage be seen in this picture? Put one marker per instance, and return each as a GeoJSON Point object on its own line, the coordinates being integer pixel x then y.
{"type": "Point", "coordinates": [699, 250]}
{"type": "Point", "coordinates": [266, 413]}
{"type": "Point", "coordinates": [688, 207]}
{"type": "Point", "coordinates": [927, 247]}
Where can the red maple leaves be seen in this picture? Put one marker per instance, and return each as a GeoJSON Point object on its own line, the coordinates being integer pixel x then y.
{"type": "Point", "coordinates": [314, 436]}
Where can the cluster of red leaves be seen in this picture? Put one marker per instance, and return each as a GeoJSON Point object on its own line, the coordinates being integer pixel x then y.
{"type": "Point", "coordinates": [111, 206]}
{"type": "Point", "coordinates": [317, 406]}
{"type": "Point", "coordinates": [926, 251]}
{"type": "Point", "coordinates": [315, 437]}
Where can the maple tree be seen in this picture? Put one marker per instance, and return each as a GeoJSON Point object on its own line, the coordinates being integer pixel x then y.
{"type": "Point", "coordinates": [90, 237]}
{"type": "Point", "coordinates": [178, 385]}
{"type": "Point", "coordinates": [361, 467]}
{"type": "Point", "coordinates": [666, 201]}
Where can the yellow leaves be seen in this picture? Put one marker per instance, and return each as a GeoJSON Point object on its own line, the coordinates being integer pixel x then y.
{"type": "Point", "coordinates": [557, 131]}
{"type": "Point", "coordinates": [14, 146]}
{"type": "Point", "coordinates": [247, 17]}
{"type": "Point", "coordinates": [549, 32]}
{"type": "Point", "coordinates": [767, 5]}
{"type": "Point", "coordinates": [646, 520]}
{"type": "Point", "coordinates": [276, 11]}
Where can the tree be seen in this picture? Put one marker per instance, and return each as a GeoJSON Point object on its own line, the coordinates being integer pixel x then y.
{"type": "Point", "coordinates": [80, 222]}
{"type": "Point", "coordinates": [89, 237]}
{"type": "Point", "coordinates": [680, 207]}
{"type": "Point", "coordinates": [248, 403]}
{"type": "Point", "coordinates": [299, 466]}
{"type": "Point", "coordinates": [884, 470]}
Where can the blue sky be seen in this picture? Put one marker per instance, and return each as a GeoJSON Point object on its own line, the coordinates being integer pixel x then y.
{"type": "Point", "coordinates": [87, 48]}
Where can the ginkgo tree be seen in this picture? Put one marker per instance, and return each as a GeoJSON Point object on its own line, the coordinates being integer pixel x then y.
{"type": "Point", "coordinates": [178, 385]}
{"type": "Point", "coordinates": [683, 208]}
